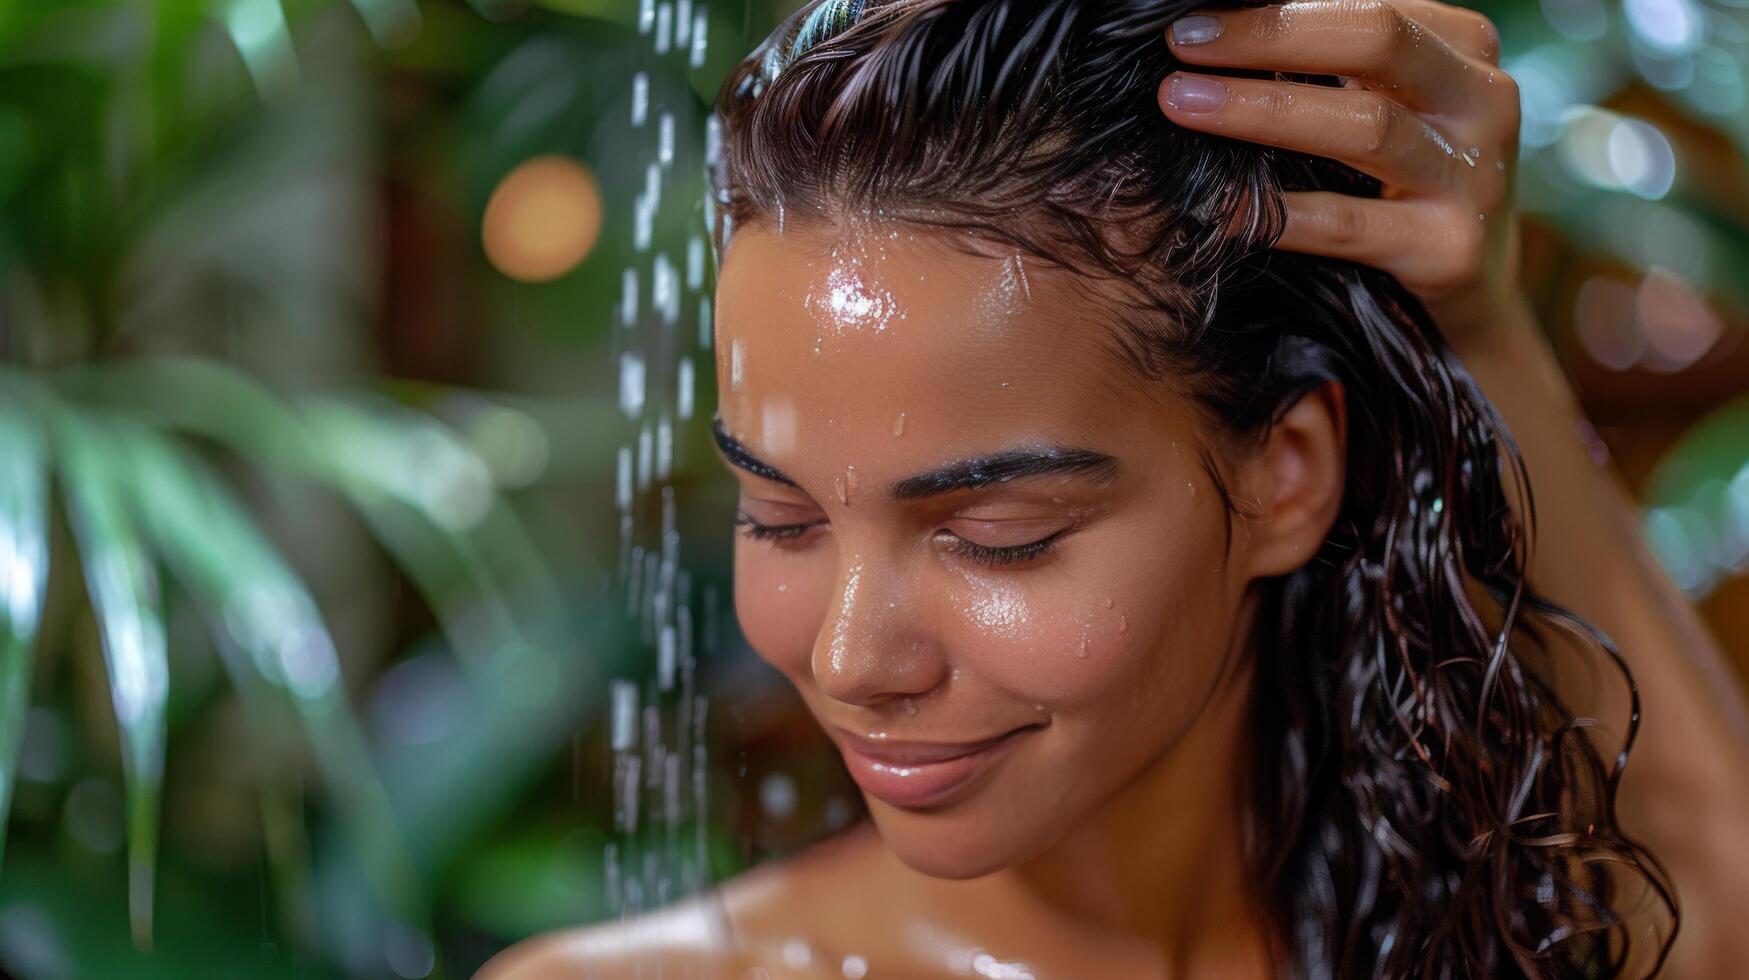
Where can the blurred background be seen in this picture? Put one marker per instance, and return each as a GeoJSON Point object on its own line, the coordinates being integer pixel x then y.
{"type": "Point", "coordinates": [363, 566]}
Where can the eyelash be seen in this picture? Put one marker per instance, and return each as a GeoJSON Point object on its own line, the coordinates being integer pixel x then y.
{"type": "Point", "coordinates": [778, 533]}
{"type": "Point", "coordinates": [1012, 555]}
{"type": "Point", "coordinates": [782, 534]}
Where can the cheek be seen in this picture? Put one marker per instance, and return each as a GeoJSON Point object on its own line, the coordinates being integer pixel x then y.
{"type": "Point", "coordinates": [1094, 635]}
{"type": "Point", "coordinates": [780, 604]}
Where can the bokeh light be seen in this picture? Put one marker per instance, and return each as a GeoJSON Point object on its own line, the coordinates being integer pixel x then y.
{"type": "Point", "coordinates": [543, 219]}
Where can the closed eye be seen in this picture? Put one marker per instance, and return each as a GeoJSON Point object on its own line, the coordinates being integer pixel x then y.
{"type": "Point", "coordinates": [776, 533]}
{"type": "Point", "coordinates": [984, 554]}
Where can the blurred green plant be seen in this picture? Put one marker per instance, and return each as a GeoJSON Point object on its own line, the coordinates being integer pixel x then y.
{"type": "Point", "coordinates": [190, 280]}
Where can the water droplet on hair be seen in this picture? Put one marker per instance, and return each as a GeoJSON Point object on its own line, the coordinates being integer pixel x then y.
{"type": "Point", "coordinates": [899, 425]}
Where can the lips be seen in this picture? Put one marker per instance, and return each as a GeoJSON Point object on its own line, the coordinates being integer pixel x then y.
{"type": "Point", "coordinates": [920, 774]}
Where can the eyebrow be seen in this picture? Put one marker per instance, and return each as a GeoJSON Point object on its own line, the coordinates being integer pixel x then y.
{"type": "Point", "coordinates": [738, 456]}
{"type": "Point", "coordinates": [960, 475]}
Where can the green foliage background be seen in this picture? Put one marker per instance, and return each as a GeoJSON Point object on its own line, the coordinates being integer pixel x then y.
{"type": "Point", "coordinates": [306, 529]}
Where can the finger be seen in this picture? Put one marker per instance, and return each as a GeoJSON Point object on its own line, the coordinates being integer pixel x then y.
{"type": "Point", "coordinates": [1469, 32]}
{"type": "Point", "coordinates": [1421, 244]}
{"type": "Point", "coordinates": [1364, 129]}
{"type": "Point", "coordinates": [1372, 40]}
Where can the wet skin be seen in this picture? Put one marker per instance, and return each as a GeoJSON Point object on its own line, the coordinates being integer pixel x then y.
{"type": "Point", "coordinates": [963, 519]}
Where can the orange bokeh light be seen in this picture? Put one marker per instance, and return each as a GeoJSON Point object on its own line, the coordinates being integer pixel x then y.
{"type": "Point", "coordinates": [542, 219]}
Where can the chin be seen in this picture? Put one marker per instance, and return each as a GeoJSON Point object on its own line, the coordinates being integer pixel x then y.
{"type": "Point", "coordinates": [950, 843]}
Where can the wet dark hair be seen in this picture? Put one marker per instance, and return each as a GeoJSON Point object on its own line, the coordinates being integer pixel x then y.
{"type": "Point", "coordinates": [1423, 803]}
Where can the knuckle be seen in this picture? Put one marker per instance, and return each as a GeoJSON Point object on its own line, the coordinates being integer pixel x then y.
{"type": "Point", "coordinates": [1274, 102]}
{"type": "Point", "coordinates": [1347, 225]}
{"type": "Point", "coordinates": [1507, 93]}
{"type": "Point", "coordinates": [1383, 32]}
{"type": "Point", "coordinates": [1381, 126]}
{"type": "Point", "coordinates": [1490, 32]}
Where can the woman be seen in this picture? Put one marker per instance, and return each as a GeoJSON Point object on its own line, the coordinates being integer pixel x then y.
{"type": "Point", "coordinates": [1165, 593]}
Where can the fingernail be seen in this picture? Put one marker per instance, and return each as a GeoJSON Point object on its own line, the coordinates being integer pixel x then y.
{"type": "Point", "coordinates": [1195, 93]}
{"type": "Point", "coordinates": [1196, 29]}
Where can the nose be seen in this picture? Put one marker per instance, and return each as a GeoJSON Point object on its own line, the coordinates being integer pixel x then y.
{"type": "Point", "coordinates": [870, 648]}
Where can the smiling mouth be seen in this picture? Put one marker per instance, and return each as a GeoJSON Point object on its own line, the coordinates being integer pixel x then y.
{"type": "Point", "coordinates": [913, 775]}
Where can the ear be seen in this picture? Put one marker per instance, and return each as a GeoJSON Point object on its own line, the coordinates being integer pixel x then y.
{"type": "Point", "coordinates": [1293, 487]}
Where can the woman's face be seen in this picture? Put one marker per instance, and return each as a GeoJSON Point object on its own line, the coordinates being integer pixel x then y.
{"type": "Point", "coordinates": [986, 554]}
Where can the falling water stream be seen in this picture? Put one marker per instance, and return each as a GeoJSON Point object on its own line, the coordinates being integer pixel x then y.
{"type": "Point", "coordinates": [657, 722]}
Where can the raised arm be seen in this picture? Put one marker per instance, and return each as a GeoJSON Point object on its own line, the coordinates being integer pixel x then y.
{"type": "Point", "coordinates": [1430, 113]}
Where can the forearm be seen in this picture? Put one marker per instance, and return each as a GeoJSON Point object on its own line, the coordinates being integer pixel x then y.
{"type": "Point", "coordinates": [1686, 790]}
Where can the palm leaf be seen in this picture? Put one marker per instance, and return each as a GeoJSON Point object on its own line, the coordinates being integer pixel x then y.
{"type": "Point", "coordinates": [264, 611]}
{"type": "Point", "coordinates": [24, 564]}
{"type": "Point", "coordinates": [124, 595]}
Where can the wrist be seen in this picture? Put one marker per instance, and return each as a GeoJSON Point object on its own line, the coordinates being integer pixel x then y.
{"type": "Point", "coordinates": [1484, 323]}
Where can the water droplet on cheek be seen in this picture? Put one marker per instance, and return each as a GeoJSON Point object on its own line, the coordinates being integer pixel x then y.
{"type": "Point", "coordinates": [1039, 708]}
{"type": "Point", "coordinates": [910, 706]}
{"type": "Point", "coordinates": [1192, 487]}
{"type": "Point", "coordinates": [1108, 602]}
{"type": "Point", "coordinates": [737, 363]}
{"type": "Point", "coordinates": [782, 587]}
{"type": "Point", "coordinates": [1081, 651]}
{"type": "Point", "coordinates": [899, 425]}
{"type": "Point", "coordinates": [849, 482]}
{"type": "Point", "coordinates": [839, 490]}
{"type": "Point", "coordinates": [1123, 622]}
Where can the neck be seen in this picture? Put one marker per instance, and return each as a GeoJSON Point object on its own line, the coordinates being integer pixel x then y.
{"type": "Point", "coordinates": [1164, 860]}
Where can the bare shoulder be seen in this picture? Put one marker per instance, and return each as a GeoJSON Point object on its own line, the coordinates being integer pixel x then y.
{"type": "Point", "coordinates": [689, 936]}
{"type": "Point", "coordinates": [786, 919]}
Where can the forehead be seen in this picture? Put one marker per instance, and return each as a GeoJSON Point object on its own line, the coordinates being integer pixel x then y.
{"type": "Point", "coordinates": [852, 326]}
